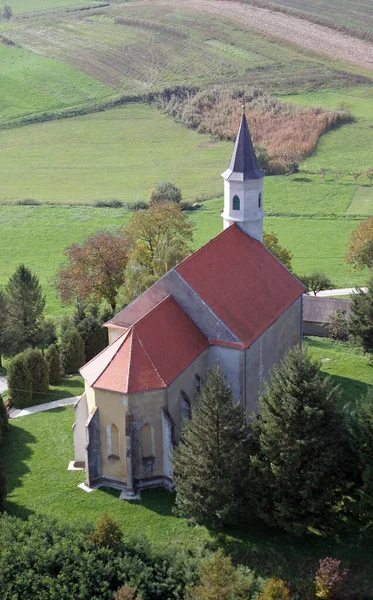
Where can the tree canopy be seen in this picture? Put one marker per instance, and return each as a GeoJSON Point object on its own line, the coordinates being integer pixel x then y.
{"type": "Point", "coordinates": [270, 240]}
{"type": "Point", "coordinates": [360, 324]}
{"type": "Point", "coordinates": [165, 192]}
{"type": "Point", "coordinates": [316, 282]}
{"type": "Point", "coordinates": [359, 253]}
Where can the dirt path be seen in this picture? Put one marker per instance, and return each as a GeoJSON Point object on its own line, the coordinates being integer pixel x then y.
{"type": "Point", "coordinates": [317, 38]}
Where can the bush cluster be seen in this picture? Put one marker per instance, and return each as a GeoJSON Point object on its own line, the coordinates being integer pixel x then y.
{"type": "Point", "coordinates": [28, 376]}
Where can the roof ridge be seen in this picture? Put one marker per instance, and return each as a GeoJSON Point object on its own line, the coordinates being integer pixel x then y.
{"type": "Point", "coordinates": [210, 242]}
{"type": "Point", "coordinates": [150, 360]}
{"type": "Point", "coordinates": [126, 333]}
{"type": "Point", "coordinates": [152, 310]}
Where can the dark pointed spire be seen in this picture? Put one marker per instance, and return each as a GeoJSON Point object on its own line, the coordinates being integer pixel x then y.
{"type": "Point", "coordinates": [243, 163]}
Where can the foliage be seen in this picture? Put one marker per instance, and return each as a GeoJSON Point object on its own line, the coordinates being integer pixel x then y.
{"type": "Point", "coordinates": [107, 533]}
{"type": "Point", "coordinates": [95, 269]}
{"type": "Point", "coordinates": [7, 12]}
{"type": "Point", "coordinates": [2, 487]}
{"type": "Point", "coordinates": [299, 460]}
{"type": "Point", "coordinates": [359, 252]}
{"type": "Point", "coordinates": [25, 305]}
{"type": "Point", "coordinates": [316, 282]}
{"type": "Point", "coordinates": [38, 367]}
{"type": "Point", "coordinates": [211, 462]}
{"type": "Point", "coordinates": [219, 580]}
{"type": "Point", "coordinates": [94, 336]}
{"type": "Point", "coordinates": [165, 192]}
{"type": "Point", "coordinates": [288, 133]}
{"type": "Point", "coordinates": [337, 326]}
{"type": "Point", "coordinates": [275, 589]}
{"type": "Point", "coordinates": [47, 334]}
{"type": "Point", "coordinates": [162, 235]}
{"type": "Point", "coordinates": [3, 418]}
{"type": "Point", "coordinates": [5, 335]}
{"type": "Point", "coordinates": [270, 240]}
{"type": "Point", "coordinates": [126, 593]}
{"type": "Point", "coordinates": [19, 381]}
{"type": "Point", "coordinates": [71, 346]}
{"type": "Point", "coordinates": [53, 358]}
{"type": "Point", "coordinates": [329, 579]}
{"type": "Point", "coordinates": [360, 325]}
{"type": "Point", "coordinates": [43, 559]}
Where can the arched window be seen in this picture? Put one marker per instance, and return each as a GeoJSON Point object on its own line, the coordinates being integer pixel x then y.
{"type": "Point", "coordinates": [112, 432]}
{"type": "Point", "coordinates": [147, 441]}
{"type": "Point", "coordinates": [236, 203]}
{"type": "Point", "coordinates": [185, 405]}
{"type": "Point", "coordinates": [260, 201]}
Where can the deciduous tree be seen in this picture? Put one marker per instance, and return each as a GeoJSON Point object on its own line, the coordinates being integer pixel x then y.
{"type": "Point", "coordinates": [359, 252]}
{"type": "Point", "coordinates": [95, 269]}
{"type": "Point", "coordinates": [211, 461]}
{"type": "Point", "coordinates": [316, 282]}
{"type": "Point", "coordinates": [270, 240]}
{"type": "Point", "coordinates": [298, 455]}
{"type": "Point", "coordinates": [360, 325]}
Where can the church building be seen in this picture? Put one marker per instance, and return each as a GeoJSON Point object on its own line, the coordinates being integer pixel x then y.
{"type": "Point", "coordinates": [230, 301]}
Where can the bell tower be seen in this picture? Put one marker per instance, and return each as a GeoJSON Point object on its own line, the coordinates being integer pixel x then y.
{"type": "Point", "coordinates": [243, 186]}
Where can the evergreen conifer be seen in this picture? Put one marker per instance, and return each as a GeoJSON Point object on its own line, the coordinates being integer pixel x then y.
{"type": "Point", "coordinates": [19, 381]}
{"type": "Point", "coordinates": [2, 487]}
{"type": "Point", "coordinates": [52, 356]}
{"type": "Point", "coordinates": [3, 419]}
{"type": "Point", "coordinates": [362, 437]}
{"type": "Point", "coordinates": [211, 462]}
{"type": "Point", "coordinates": [38, 367]}
{"type": "Point", "coordinates": [298, 454]}
{"type": "Point", "coordinates": [360, 324]}
{"type": "Point", "coordinates": [94, 336]}
{"type": "Point", "coordinates": [72, 347]}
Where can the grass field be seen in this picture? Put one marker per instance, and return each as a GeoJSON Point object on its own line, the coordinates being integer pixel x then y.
{"type": "Point", "coordinates": [154, 46]}
{"type": "Point", "coordinates": [30, 6]}
{"type": "Point", "coordinates": [30, 83]}
{"type": "Point", "coordinates": [354, 13]}
{"type": "Point", "coordinates": [38, 448]}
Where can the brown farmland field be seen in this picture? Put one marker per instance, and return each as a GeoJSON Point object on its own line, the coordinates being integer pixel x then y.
{"type": "Point", "coordinates": [143, 46]}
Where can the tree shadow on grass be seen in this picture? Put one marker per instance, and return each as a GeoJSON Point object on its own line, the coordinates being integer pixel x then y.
{"type": "Point", "coordinates": [159, 500]}
{"type": "Point", "coordinates": [352, 389]}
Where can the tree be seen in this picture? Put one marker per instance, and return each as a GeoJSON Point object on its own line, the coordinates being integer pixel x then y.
{"type": "Point", "coordinates": [24, 308]}
{"type": "Point", "coordinates": [2, 487]}
{"type": "Point", "coordinates": [316, 282]}
{"type": "Point", "coordinates": [126, 593]}
{"type": "Point", "coordinates": [19, 381]}
{"type": "Point", "coordinates": [298, 455]}
{"type": "Point", "coordinates": [107, 533]}
{"type": "Point", "coordinates": [369, 174]}
{"type": "Point", "coordinates": [53, 358]}
{"type": "Point", "coordinates": [161, 236]}
{"type": "Point", "coordinates": [211, 461]}
{"type": "Point", "coordinates": [355, 175]}
{"type": "Point", "coordinates": [95, 270]}
{"type": "Point", "coordinates": [72, 347]}
{"type": "Point", "coordinates": [360, 325]}
{"type": "Point", "coordinates": [3, 418]}
{"type": "Point", "coordinates": [359, 253]}
{"type": "Point", "coordinates": [38, 367]}
{"type": "Point", "coordinates": [337, 326]}
{"type": "Point", "coordinates": [270, 240]}
{"type": "Point", "coordinates": [275, 589]}
{"type": "Point", "coordinates": [7, 12]}
{"type": "Point", "coordinates": [5, 336]}
{"type": "Point", "coordinates": [94, 336]}
{"type": "Point", "coordinates": [329, 579]}
{"type": "Point", "coordinates": [165, 192]}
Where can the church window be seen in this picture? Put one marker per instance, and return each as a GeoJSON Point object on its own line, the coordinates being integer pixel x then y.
{"type": "Point", "coordinates": [185, 405]}
{"type": "Point", "coordinates": [236, 203]}
{"type": "Point", "coordinates": [147, 441]}
{"type": "Point", "coordinates": [112, 432]}
{"type": "Point", "coordinates": [260, 200]}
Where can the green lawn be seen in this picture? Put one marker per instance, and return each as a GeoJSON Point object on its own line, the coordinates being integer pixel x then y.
{"type": "Point", "coordinates": [71, 385]}
{"type": "Point", "coordinates": [30, 83]}
{"type": "Point", "coordinates": [38, 448]}
{"type": "Point", "coordinates": [29, 6]}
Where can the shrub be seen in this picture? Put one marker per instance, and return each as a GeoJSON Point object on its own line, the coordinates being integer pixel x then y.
{"type": "Point", "coordinates": [126, 593]}
{"type": "Point", "coordinates": [72, 348]}
{"type": "Point", "coordinates": [107, 533]}
{"type": "Point", "coordinates": [109, 203]}
{"type": "Point", "coordinates": [19, 381]}
{"type": "Point", "coordinates": [3, 418]}
{"type": "Point", "coordinates": [275, 589]}
{"type": "Point", "coordinates": [165, 192]}
{"type": "Point", "coordinates": [38, 367]}
{"type": "Point", "coordinates": [28, 202]}
{"type": "Point", "coordinates": [137, 205]}
{"type": "Point", "coordinates": [329, 578]}
{"type": "Point", "coordinates": [53, 358]}
{"type": "Point", "coordinates": [337, 326]}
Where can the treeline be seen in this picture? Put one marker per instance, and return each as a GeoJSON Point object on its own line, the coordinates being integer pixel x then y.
{"type": "Point", "coordinates": [283, 134]}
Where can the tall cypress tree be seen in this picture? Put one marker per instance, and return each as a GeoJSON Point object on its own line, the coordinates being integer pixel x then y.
{"type": "Point", "coordinates": [299, 451]}
{"type": "Point", "coordinates": [360, 324]}
{"type": "Point", "coordinates": [25, 305]}
{"type": "Point", "coordinates": [361, 422]}
{"type": "Point", "coordinates": [211, 462]}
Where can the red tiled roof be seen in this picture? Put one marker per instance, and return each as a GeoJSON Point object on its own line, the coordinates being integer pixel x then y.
{"type": "Point", "coordinates": [242, 282]}
{"type": "Point", "coordinates": [151, 354]}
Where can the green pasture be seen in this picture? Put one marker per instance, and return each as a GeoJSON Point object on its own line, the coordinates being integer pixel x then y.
{"type": "Point", "coordinates": [30, 6]}
{"type": "Point", "coordinates": [354, 13]}
{"type": "Point", "coordinates": [166, 45]}
{"type": "Point", "coordinates": [38, 448]}
{"type": "Point", "coordinates": [30, 83]}
{"type": "Point", "coordinates": [117, 154]}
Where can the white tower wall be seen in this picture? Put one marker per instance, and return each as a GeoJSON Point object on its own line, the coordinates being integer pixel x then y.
{"type": "Point", "coordinates": [250, 215]}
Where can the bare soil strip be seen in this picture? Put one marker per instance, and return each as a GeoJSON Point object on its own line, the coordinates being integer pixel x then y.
{"type": "Point", "coordinates": [317, 38]}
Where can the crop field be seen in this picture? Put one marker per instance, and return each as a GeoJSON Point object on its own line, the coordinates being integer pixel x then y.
{"type": "Point", "coordinates": [354, 13]}
{"type": "Point", "coordinates": [138, 48]}
{"type": "Point", "coordinates": [30, 83]}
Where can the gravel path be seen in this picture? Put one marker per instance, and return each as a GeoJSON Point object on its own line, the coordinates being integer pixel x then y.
{"type": "Point", "coordinates": [317, 38]}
